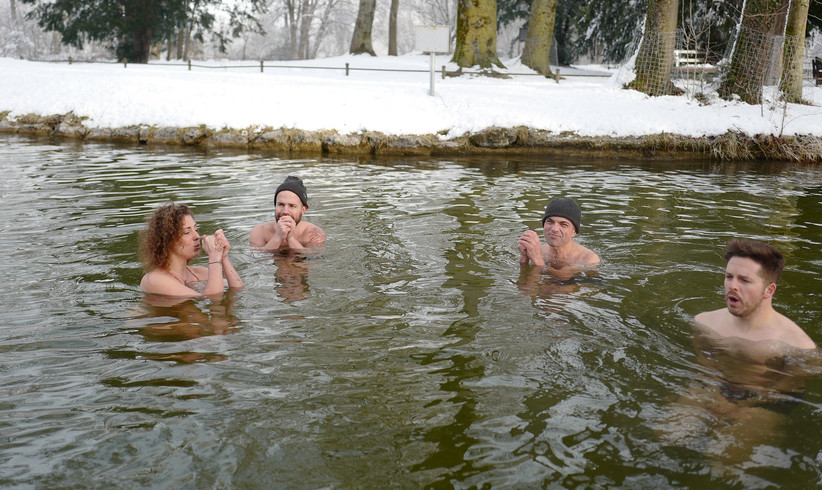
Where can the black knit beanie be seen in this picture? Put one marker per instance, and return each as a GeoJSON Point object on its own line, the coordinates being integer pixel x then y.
{"type": "Point", "coordinates": [564, 207]}
{"type": "Point", "coordinates": [295, 185]}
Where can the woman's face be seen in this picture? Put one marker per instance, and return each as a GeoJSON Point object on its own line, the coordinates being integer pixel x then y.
{"type": "Point", "coordinates": [189, 244]}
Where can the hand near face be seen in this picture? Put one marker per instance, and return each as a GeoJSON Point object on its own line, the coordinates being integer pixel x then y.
{"type": "Point", "coordinates": [212, 247]}
{"type": "Point", "coordinates": [529, 246]}
{"type": "Point", "coordinates": [221, 240]}
{"type": "Point", "coordinates": [286, 225]}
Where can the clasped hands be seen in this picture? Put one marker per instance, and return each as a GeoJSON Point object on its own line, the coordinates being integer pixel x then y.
{"type": "Point", "coordinates": [216, 246]}
{"type": "Point", "coordinates": [530, 247]}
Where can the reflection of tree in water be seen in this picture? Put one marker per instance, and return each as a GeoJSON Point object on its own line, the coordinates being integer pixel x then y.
{"type": "Point", "coordinates": [160, 319]}
{"type": "Point", "coordinates": [739, 400]}
{"type": "Point", "coordinates": [453, 440]}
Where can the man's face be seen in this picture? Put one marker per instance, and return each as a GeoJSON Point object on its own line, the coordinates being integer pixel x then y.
{"type": "Point", "coordinates": [558, 231]}
{"type": "Point", "coordinates": [745, 289]}
{"type": "Point", "coordinates": [289, 204]}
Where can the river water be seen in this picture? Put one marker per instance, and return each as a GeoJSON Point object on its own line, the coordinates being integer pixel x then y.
{"type": "Point", "coordinates": [411, 353]}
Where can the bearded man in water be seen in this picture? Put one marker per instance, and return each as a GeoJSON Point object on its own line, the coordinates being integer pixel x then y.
{"type": "Point", "coordinates": [288, 232]}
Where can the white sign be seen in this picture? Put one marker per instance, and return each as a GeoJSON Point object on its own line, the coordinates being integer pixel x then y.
{"type": "Point", "coordinates": [432, 39]}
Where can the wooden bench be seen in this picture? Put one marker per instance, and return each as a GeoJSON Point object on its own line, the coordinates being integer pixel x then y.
{"type": "Point", "coordinates": [688, 57]}
{"type": "Point", "coordinates": [816, 68]}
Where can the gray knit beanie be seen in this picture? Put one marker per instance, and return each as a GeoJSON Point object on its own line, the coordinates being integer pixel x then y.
{"type": "Point", "coordinates": [295, 185]}
{"type": "Point", "coordinates": [564, 207]}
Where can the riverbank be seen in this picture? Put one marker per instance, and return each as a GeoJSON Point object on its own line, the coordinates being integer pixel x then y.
{"type": "Point", "coordinates": [520, 140]}
{"type": "Point", "coordinates": [383, 105]}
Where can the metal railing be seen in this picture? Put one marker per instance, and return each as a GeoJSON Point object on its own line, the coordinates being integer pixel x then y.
{"type": "Point", "coordinates": [347, 68]}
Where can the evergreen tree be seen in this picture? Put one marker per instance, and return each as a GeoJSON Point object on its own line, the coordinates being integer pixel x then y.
{"type": "Point", "coordinates": [130, 27]}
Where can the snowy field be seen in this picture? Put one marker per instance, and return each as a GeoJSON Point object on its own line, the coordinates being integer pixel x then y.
{"type": "Point", "coordinates": [160, 94]}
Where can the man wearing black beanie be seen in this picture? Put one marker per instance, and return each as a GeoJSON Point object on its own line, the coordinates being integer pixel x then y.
{"type": "Point", "coordinates": [288, 231]}
{"type": "Point", "coordinates": [561, 255]}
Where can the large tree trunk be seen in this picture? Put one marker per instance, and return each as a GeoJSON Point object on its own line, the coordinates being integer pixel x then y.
{"type": "Point", "coordinates": [794, 50]}
{"type": "Point", "coordinates": [654, 60]}
{"type": "Point", "coordinates": [361, 39]}
{"type": "Point", "coordinates": [537, 51]}
{"type": "Point", "coordinates": [392, 28]}
{"type": "Point", "coordinates": [476, 43]}
{"type": "Point", "coordinates": [752, 52]}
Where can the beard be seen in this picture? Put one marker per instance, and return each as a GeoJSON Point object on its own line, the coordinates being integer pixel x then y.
{"type": "Point", "coordinates": [296, 219]}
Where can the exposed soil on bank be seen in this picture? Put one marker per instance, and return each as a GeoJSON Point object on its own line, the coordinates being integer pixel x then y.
{"type": "Point", "coordinates": [520, 140]}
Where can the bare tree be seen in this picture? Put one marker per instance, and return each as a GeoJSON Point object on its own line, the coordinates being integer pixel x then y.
{"type": "Point", "coordinates": [392, 28]}
{"type": "Point", "coordinates": [361, 39]}
{"type": "Point", "coordinates": [794, 50]}
{"type": "Point", "coordinates": [537, 51]}
{"type": "Point", "coordinates": [751, 52]}
{"type": "Point", "coordinates": [476, 34]}
{"type": "Point", "coordinates": [654, 60]}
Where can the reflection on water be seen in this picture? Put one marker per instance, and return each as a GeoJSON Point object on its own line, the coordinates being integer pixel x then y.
{"type": "Point", "coordinates": [413, 352]}
{"type": "Point", "coordinates": [739, 402]}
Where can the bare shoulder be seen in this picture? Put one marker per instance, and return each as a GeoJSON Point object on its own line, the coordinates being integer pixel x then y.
{"type": "Point", "coordinates": [792, 334]}
{"type": "Point", "coordinates": [154, 282]}
{"type": "Point", "coordinates": [312, 234]}
{"type": "Point", "coordinates": [260, 234]}
{"type": "Point", "coordinates": [710, 319]}
{"type": "Point", "coordinates": [587, 256]}
{"type": "Point", "coordinates": [591, 258]}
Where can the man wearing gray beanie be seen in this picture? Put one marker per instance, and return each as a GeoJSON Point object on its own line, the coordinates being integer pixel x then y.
{"type": "Point", "coordinates": [561, 254]}
{"type": "Point", "coordinates": [288, 231]}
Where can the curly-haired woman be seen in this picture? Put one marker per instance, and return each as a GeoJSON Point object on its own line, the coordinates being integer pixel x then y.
{"type": "Point", "coordinates": [169, 242]}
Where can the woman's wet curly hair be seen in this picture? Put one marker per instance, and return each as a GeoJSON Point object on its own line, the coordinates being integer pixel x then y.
{"type": "Point", "coordinates": [163, 229]}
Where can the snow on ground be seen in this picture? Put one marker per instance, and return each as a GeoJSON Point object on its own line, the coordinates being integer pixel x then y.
{"type": "Point", "coordinates": [168, 94]}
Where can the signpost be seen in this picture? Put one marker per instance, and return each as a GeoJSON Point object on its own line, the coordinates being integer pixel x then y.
{"type": "Point", "coordinates": [432, 39]}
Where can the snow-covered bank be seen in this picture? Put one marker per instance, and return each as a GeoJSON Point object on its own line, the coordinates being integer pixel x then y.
{"type": "Point", "coordinates": [391, 103]}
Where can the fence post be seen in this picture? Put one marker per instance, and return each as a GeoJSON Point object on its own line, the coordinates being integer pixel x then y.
{"type": "Point", "coordinates": [69, 60]}
{"type": "Point", "coordinates": [443, 72]}
{"type": "Point", "coordinates": [346, 69]}
{"type": "Point", "coordinates": [125, 63]}
{"type": "Point", "coordinates": [189, 65]}
{"type": "Point", "coordinates": [556, 77]}
{"type": "Point", "coordinates": [261, 66]}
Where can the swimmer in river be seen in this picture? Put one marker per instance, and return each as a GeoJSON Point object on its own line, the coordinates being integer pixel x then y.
{"type": "Point", "coordinates": [561, 255]}
{"type": "Point", "coordinates": [751, 275]}
{"type": "Point", "coordinates": [169, 242]}
{"type": "Point", "coordinates": [288, 231]}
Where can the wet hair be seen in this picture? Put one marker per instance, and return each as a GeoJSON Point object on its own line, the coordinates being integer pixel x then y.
{"type": "Point", "coordinates": [163, 229]}
{"type": "Point", "coordinates": [770, 259]}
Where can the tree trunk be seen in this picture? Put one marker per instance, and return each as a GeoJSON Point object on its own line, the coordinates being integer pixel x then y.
{"type": "Point", "coordinates": [794, 50]}
{"type": "Point", "coordinates": [476, 34]}
{"type": "Point", "coordinates": [537, 51]}
{"type": "Point", "coordinates": [654, 60]}
{"type": "Point", "coordinates": [180, 43]}
{"type": "Point", "coordinates": [291, 24]}
{"type": "Point", "coordinates": [361, 39]}
{"type": "Point", "coordinates": [305, 29]}
{"type": "Point", "coordinates": [141, 39]}
{"type": "Point", "coordinates": [752, 52]}
{"type": "Point", "coordinates": [13, 4]}
{"type": "Point", "coordinates": [392, 28]}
